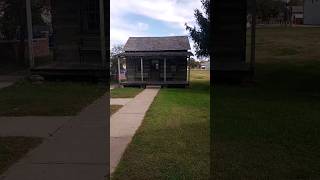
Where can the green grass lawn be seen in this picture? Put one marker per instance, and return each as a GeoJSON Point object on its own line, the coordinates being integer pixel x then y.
{"type": "Point", "coordinates": [173, 141]}
{"type": "Point", "coordinates": [127, 92]}
{"type": "Point", "coordinates": [14, 148]}
{"type": "Point", "coordinates": [114, 108]}
{"type": "Point", "coordinates": [272, 130]}
{"type": "Point", "coordinates": [50, 98]}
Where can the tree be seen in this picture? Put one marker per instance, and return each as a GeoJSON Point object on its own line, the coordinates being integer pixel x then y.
{"type": "Point", "coordinates": [267, 9]}
{"type": "Point", "coordinates": [115, 50]}
{"type": "Point", "coordinates": [13, 20]}
{"type": "Point", "coordinates": [194, 63]}
{"type": "Point", "coordinates": [201, 35]}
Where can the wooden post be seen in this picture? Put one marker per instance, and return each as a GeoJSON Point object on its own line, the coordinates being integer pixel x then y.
{"type": "Point", "coordinates": [141, 63]}
{"type": "Point", "coordinates": [253, 37]}
{"type": "Point", "coordinates": [165, 70]}
{"type": "Point", "coordinates": [119, 71]}
{"type": "Point", "coordinates": [188, 62]}
{"type": "Point", "coordinates": [102, 34]}
{"type": "Point", "coordinates": [30, 33]}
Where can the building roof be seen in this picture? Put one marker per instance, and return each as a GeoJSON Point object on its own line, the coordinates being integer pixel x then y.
{"type": "Point", "coordinates": [168, 43]}
{"type": "Point", "coordinates": [158, 54]}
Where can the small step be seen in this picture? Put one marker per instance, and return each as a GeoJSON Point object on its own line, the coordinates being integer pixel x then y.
{"type": "Point", "coordinates": [153, 87]}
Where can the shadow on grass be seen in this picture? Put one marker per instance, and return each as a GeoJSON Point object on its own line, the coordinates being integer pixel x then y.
{"type": "Point", "coordinates": [271, 130]}
{"type": "Point", "coordinates": [49, 98]}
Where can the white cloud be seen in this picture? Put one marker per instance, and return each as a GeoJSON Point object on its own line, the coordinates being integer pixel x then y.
{"type": "Point", "coordinates": [173, 12]}
{"type": "Point", "coordinates": [143, 26]}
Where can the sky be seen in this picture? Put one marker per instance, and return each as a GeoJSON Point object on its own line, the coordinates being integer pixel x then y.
{"type": "Point", "coordinates": [150, 18]}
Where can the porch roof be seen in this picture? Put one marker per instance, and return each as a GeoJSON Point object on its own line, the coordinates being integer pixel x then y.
{"type": "Point", "coordinates": [166, 43]}
{"type": "Point", "coordinates": [157, 53]}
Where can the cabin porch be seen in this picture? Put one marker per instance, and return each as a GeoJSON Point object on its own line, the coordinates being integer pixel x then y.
{"type": "Point", "coordinates": [80, 41]}
{"type": "Point", "coordinates": [81, 71]}
{"type": "Point", "coordinates": [163, 71]}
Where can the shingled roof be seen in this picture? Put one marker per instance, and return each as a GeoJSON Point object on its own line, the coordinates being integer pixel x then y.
{"type": "Point", "coordinates": [168, 43]}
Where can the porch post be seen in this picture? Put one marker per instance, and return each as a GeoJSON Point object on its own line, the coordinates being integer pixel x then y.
{"type": "Point", "coordinates": [30, 33]}
{"type": "Point", "coordinates": [141, 63]}
{"type": "Point", "coordinates": [102, 33]}
{"type": "Point", "coordinates": [119, 71]}
{"type": "Point", "coordinates": [188, 62]}
{"type": "Point", "coordinates": [253, 37]}
{"type": "Point", "coordinates": [165, 70]}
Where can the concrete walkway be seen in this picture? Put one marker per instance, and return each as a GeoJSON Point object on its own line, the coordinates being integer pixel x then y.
{"type": "Point", "coordinates": [77, 151]}
{"type": "Point", "coordinates": [8, 80]}
{"type": "Point", "coordinates": [38, 126]}
{"type": "Point", "coordinates": [125, 122]}
{"type": "Point", "coordinates": [120, 101]}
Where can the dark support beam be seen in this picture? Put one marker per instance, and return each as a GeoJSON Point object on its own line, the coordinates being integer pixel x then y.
{"type": "Point", "coordinates": [119, 71]}
{"type": "Point", "coordinates": [141, 63]}
{"type": "Point", "coordinates": [253, 37]}
{"type": "Point", "coordinates": [165, 70]}
{"type": "Point", "coordinates": [188, 67]}
{"type": "Point", "coordinates": [30, 33]}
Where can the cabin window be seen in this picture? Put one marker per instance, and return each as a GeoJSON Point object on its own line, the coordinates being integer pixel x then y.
{"type": "Point", "coordinates": [173, 68]}
{"type": "Point", "coordinates": [155, 64]}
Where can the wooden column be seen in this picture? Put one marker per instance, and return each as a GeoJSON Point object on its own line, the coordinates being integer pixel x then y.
{"type": "Point", "coordinates": [165, 70]}
{"type": "Point", "coordinates": [30, 33]}
{"type": "Point", "coordinates": [141, 63]}
{"type": "Point", "coordinates": [253, 37]}
{"type": "Point", "coordinates": [119, 71]}
{"type": "Point", "coordinates": [188, 67]}
{"type": "Point", "coordinates": [102, 34]}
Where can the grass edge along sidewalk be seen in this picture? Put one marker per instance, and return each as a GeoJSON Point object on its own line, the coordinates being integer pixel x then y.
{"type": "Point", "coordinates": [128, 92]}
{"type": "Point", "coordinates": [173, 140]}
{"type": "Point", "coordinates": [14, 148]}
{"type": "Point", "coordinates": [47, 99]}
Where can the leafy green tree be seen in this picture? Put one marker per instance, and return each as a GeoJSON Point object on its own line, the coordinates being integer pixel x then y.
{"type": "Point", "coordinates": [194, 64]}
{"type": "Point", "coordinates": [13, 20]}
{"type": "Point", "coordinates": [115, 50]}
{"type": "Point", "coordinates": [13, 17]}
{"type": "Point", "coordinates": [267, 9]}
{"type": "Point", "coordinates": [201, 35]}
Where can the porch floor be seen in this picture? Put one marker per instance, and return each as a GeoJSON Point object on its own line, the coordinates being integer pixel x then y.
{"type": "Point", "coordinates": [144, 83]}
{"type": "Point", "coordinates": [75, 70]}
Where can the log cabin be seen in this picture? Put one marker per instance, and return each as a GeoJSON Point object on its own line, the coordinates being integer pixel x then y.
{"type": "Point", "coordinates": [157, 61]}
{"type": "Point", "coordinates": [79, 40]}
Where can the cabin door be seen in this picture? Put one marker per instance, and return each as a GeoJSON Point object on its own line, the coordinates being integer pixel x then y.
{"type": "Point", "coordinates": [155, 70]}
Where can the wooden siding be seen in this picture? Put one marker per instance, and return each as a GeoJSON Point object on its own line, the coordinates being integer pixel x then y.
{"type": "Point", "coordinates": [71, 34]}
{"type": "Point", "coordinates": [67, 29]}
{"type": "Point", "coordinates": [229, 30]}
